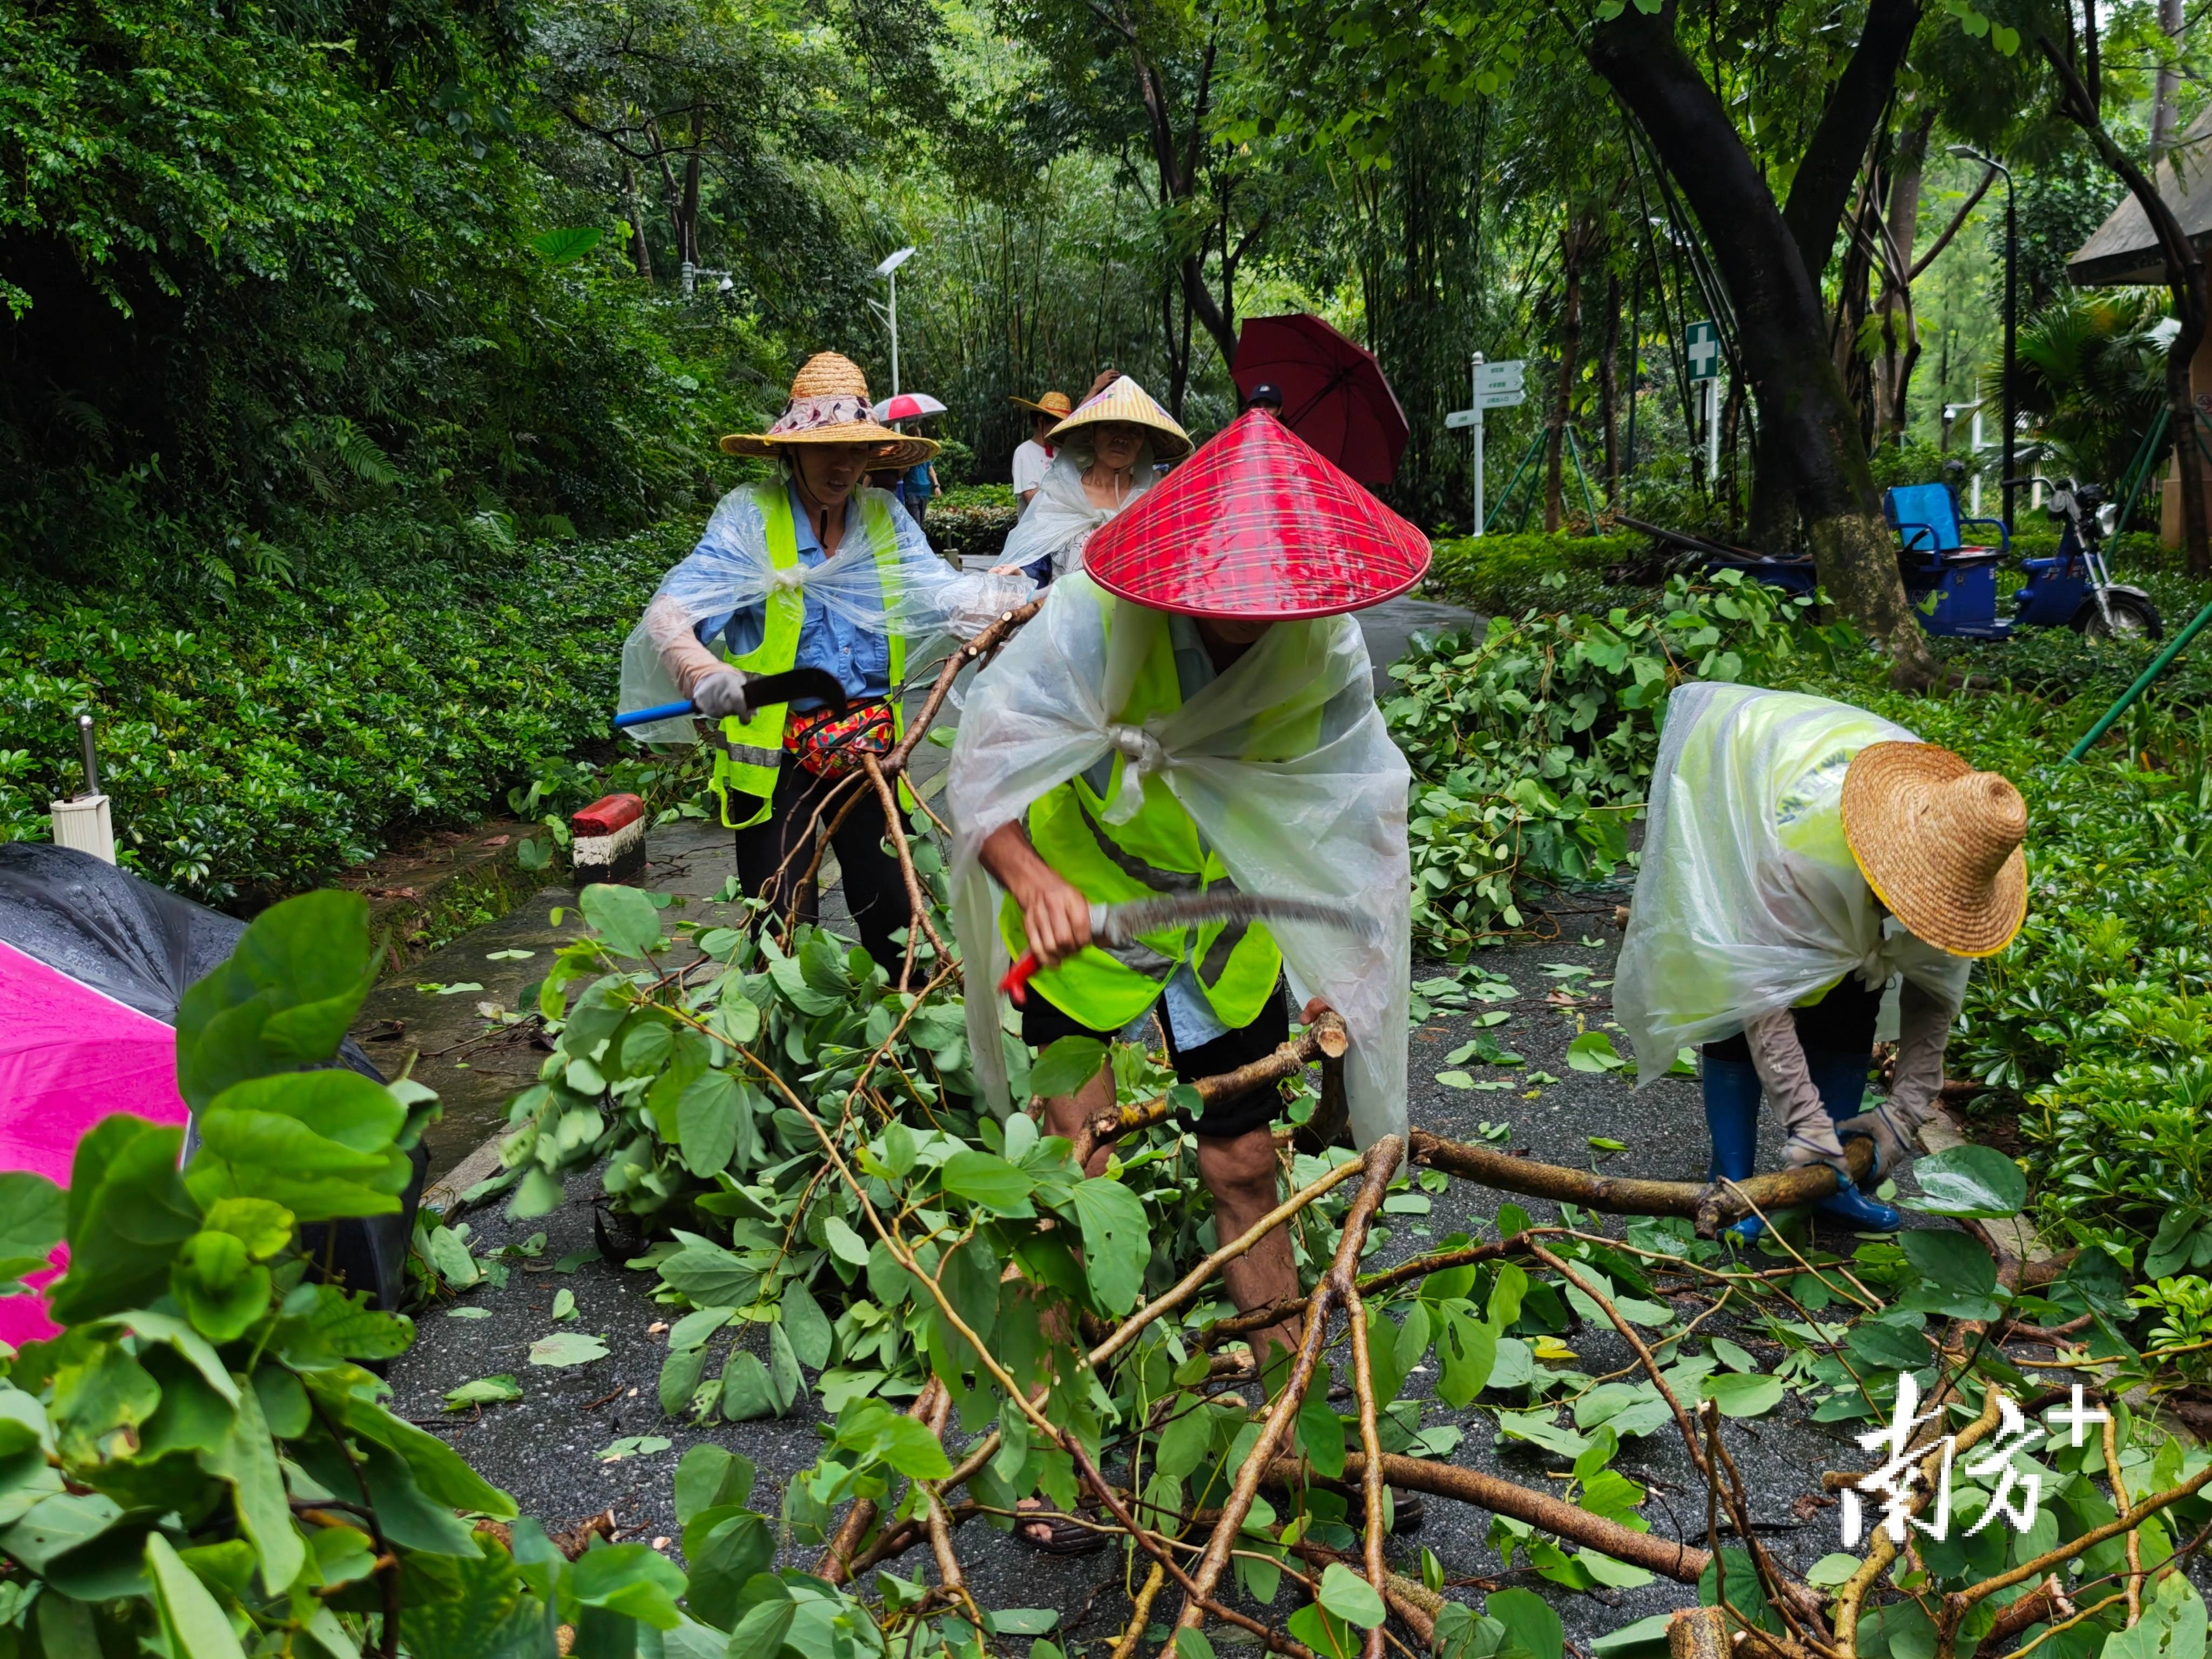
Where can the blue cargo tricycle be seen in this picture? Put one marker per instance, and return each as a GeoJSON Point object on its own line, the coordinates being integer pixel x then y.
{"type": "Point", "coordinates": [1954, 587]}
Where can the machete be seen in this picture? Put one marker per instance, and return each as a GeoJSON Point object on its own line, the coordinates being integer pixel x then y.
{"type": "Point", "coordinates": [762, 691]}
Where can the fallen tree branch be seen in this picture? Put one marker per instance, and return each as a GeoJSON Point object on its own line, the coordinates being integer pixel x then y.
{"type": "Point", "coordinates": [985, 643]}
{"type": "Point", "coordinates": [1325, 1040]}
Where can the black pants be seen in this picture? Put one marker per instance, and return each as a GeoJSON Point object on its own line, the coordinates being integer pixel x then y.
{"type": "Point", "coordinates": [1043, 1024]}
{"type": "Point", "coordinates": [875, 892]}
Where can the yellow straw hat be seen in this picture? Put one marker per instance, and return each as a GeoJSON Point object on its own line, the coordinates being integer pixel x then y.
{"type": "Point", "coordinates": [1058, 404]}
{"type": "Point", "coordinates": [1940, 843]}
{"type": "Point", "coordinates": [1125, 400]}
{"type": "Point", "coordinates": [829, 405]}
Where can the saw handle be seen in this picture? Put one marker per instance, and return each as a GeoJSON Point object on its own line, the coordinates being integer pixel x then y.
{"type": "Point", "coordinates": [1016, 984]}
{"type": "Point", "coordinates": [658, 712]}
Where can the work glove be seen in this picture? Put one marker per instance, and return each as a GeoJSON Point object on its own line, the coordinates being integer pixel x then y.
{"type": "Point", "coordinates": [1892, 1133]}
{"type": "Point", "coordinates": [721, 695]}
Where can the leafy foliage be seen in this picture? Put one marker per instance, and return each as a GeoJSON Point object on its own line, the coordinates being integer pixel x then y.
{"type": "Point", "coordinates": [202, 1452]}
{"type": "Point", "coordinates": [1531, 751]}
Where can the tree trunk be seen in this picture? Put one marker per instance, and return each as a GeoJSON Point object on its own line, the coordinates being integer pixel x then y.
{"type": "Point", "coordinates": [1781, 326]}
{"type": "Point", "coordinates": [641, 256]}
{"type": "Point", "coordinates": [1574, 243]}
{"type": "Point", "coordinates": [1893, 368]}
{"type": "Point", "coordinates": [2185, 279]}
{"type": "Point", "coordinates": [1609, 387]}
{"type": "Point", "coordinates": [2163, 101]}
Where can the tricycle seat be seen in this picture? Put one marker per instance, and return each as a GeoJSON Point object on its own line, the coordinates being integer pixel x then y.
{"type": "Point", "coordinates": [1926, 519]}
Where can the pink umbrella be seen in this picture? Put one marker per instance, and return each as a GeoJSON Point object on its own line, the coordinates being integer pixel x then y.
{"type": "Point", "coordinates": [908, 406]}
{"type": "Point", "coordinates": [70, 1055]}
{"type": "Point", "coordinates": [1335, 394]}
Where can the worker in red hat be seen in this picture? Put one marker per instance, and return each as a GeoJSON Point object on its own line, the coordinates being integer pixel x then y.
{"type": "Point", "coordinates": [1195, 709]}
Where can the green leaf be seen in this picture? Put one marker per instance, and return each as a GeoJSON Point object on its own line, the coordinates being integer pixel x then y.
{"type": "Point", "coordinates": [1741, 1395]}
{"type": "Point", "coordinates": [283, 999]}
{"type": "Point", "coordinates": [1320, 1431]}
{"type": "Point", "coordinates": [485, 1391]}
{"type": "Point", "coordinates": [192, 1619]}
{"type": "Point", "coordinates": [1593, 1051]}
{"type": "Point", "coordinates": [1968, 1181]}
{"type": "Point", "coordinates": [1020, 1621]}
{"type": "Point", "coordinates": [248, 1460]}
{"type": "Point", "coordinates": [1896, 1343]}
{"type": "Point", "coordinates": [561, 248]}
{"type": "Point", "coordinates": [1951, 1261]}
{"type": "Point", "coordinates": [263, 1227]}
{"type": "Point", "coordinates": [624, 919]}
{"type": "Point", "coordinates": [845, 1244]}
{"type": "Point", "coordinates": [808, 1326]}
{"type": "Point", "coordinates": [129, 1212]}
{"type": "Point", "coordinates": [33, 1212]}
{"type": "Point", "coordinates": [709, 1477]}
{"type": "Point", "coordinates": [1066, 1065]}
{"type": "Point", "coordinates": [706, 1123]}
{"type": "Point", "coordinates": [1350, 1597]}
{"type": "Point", "coordinates": [322, 1144]}
{"type": "Point", "coordinates": [635, 1580]}
{"type": "Point", "coordinates": [1832, 1571]}
{"type": "Point", "coordinates": [786, 1382]}
{"type": "Point", "coordinates": [1467, 1351]}
{"type": "Point", "coordinates": [1117, 1243]}
{"type": "Point", "coordinates": [222, 1291]}
{"type": "Point", "coordinates": [747, 1393]}
{"type": "Point", "coordinates": [566, 1348]}
{"type": "Point", "coordinates": [1530, 1623]}
{"type": "Point", "coordinates": [564, 1306]}
{"type": "Point", "coordinates": [986, 1179]}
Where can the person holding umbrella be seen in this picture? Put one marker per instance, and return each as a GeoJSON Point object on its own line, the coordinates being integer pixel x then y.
{"type": "Point", "coordinates": [1034, 454]}
{"type": "Point", "coordinates": [1105, 456]}
{"type": "Point", "coordinates": [916, 485]}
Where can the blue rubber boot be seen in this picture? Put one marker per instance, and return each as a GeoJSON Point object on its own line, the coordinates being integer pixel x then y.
{"type": "Point", "coordinates": [1731, 1090]}
{"type": "Point", "coordinates": [1841, 1079]}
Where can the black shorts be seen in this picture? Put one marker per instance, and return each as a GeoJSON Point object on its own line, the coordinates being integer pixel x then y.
{"type": "Point", "coordinates": [1256, 1108]}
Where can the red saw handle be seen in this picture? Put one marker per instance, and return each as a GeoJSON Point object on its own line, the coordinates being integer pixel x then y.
{"type": "Point", "coordinates": [1016, 984]}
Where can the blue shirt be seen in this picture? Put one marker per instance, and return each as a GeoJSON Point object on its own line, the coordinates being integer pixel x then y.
{"type": "Point", "coordinates": [861, 660]}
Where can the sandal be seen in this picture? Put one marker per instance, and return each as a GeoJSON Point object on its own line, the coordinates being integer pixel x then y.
{"type": "Point", "coordinates": [1062, 1536]}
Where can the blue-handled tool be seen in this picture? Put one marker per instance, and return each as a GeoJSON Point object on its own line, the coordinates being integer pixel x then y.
{"type": "Point", "coordinates": [762, 691]}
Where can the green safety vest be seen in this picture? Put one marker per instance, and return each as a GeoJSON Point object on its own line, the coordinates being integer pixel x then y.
{"type": "Point", "coordinates": [1158, 851]}
{"type": "Point", "coordinates": [751, 752]}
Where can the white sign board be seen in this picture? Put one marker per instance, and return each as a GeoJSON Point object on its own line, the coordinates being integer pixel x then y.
{"type": "Point", "coordinates": [1460, 417]}
{"type": "Point", "coordinates": [1492, 378]}
{"type": "Point", "coordinates": [1701, 345]}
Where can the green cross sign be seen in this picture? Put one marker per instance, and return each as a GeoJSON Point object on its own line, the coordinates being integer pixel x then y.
{"type": "Point", "coordinates": [1701, 345]}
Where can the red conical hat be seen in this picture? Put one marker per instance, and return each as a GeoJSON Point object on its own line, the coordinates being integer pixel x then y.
{"type": "Point", "coordinates": [1260, 526]}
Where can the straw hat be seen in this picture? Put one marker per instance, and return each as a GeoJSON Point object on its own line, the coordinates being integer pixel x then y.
{"type": "Point", "coordinates": [829, 405]}
{"type": "Point", "coordinates": [1940, 844]}
{"type": "Point", "coordinates": [1058, 404]}
{"type": "Point", "coordinates": [1125, 400]}
{"type": "Point", "coordinates": [1257, 526]}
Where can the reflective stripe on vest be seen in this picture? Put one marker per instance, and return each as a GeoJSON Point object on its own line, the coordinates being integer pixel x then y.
{"type": "Point", "coordinates": [751, 753]}
{"type": "Point", "coordinates": [1158, 851]}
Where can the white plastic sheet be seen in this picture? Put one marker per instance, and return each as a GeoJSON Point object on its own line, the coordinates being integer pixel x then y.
{"type": "Point", "coordinates": [1749, 899]}
{"type": "Point", "coordinates": [1329, 823]}
{"type": "Point", "coordinates": [1060, 518]}
{"type": "Point", "coordinates": [731, 570]}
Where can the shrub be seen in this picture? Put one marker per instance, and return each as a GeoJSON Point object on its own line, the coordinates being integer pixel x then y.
{"type": "Point", "coordinates": [1505, 574]}
{"type": "Point", "coordinates": [973, 521]}
{"type": "Point", "coordinates": [255, 746]}
{"type": "Point", "coordinates": [203, 1451]}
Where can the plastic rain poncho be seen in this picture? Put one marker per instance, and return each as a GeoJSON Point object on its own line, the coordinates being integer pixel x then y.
{"type": "Point", "coordinates": [729, 570]}
{"type": "Point", "coordinates": [1749, 900]}
{"type": "Point", "coordinates": [1060, 517]}
{"type": "Point", "coordinates": [1329, 823]}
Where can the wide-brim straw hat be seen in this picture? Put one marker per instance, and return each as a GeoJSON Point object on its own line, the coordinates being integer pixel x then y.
{"type": "Point", "coordinates": [1058, 404]}
{"type": "Point", "coordinates": [829, 405]}
{"type": "Point", "coordinates": [1940, 843]}
{"type": "Point", "coordinates": [1257, 526]}
{"type": "Point", "coordinates": [1125, 400]}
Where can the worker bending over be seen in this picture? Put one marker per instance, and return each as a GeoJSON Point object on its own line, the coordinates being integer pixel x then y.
{"type": "Point", "coordinates": [1801, 857]}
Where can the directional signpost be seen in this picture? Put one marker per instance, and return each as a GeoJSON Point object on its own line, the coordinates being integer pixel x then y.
{"type": "Point", "coordinates": [1701, 345]}
{"type": "Point", "coordinates": [1495, 386]}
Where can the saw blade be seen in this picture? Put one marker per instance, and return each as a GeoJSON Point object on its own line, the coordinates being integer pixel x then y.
{"type": "Point", "coordinates": [1118, 924]}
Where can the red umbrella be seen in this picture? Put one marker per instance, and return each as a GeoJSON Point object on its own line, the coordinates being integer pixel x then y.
{"type": "Point", "coordinates": [908, 406]}
{"type": "Point", "coordinates": [1335, 395]}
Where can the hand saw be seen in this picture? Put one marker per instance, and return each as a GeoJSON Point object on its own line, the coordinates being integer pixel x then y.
{"type": "Point", "coordinates": [1115, 925]}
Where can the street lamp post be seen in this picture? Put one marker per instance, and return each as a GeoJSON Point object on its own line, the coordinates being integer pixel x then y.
{"type": "Point", "coordinates": [2011, 322]}
{"type": "Point", "coordinates": [889, 271]}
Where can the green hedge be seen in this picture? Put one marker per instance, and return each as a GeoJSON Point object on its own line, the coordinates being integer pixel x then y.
{"type": "Point", "coordinates": [973, 520]}
{"type": "Point", "coordinates": [256, 746]}
{"type": "Point", "coordinates": [1511, 573]}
